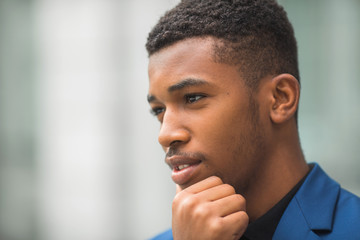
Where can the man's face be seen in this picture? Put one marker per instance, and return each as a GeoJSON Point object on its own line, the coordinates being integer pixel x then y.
{"type": "Point", "coordinates": [209, 123]}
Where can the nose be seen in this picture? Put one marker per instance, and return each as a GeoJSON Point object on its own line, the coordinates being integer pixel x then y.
{"type": "Point", "coordinates": [173, 130]}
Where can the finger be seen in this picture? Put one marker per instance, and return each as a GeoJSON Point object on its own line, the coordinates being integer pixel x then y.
{"type": "Point", "coordinates": [237, 223]}
{"type": "Point", "coordinates": [217, 192]}
{"type": "Point", "coordinates": [230, 204]}
{"type": "Point", "coordinates": [204, 184]}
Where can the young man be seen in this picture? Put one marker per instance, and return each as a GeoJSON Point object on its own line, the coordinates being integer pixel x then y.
{"type": "Point", "coordinates": [224, 84]}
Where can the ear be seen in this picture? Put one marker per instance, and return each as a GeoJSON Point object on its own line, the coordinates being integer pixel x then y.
{"type": "Point", "coordinates": [285, 97]}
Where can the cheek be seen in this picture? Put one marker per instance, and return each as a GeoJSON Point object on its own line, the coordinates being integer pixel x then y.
{"type": "Point", "coordinates": [222, 134]}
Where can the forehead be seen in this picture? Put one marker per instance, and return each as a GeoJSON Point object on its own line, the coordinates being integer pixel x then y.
{"type": "Point", "coordinates": [190, 58]}
{"type": "Point", "coordinates": [185, 52]}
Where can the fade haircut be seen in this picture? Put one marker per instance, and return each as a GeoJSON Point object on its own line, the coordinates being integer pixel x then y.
{"type": "Point", "coordinates": [256, 35]}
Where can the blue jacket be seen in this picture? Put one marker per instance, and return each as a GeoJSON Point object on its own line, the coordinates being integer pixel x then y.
{"type": "Point", "coordinates": [320, 209]}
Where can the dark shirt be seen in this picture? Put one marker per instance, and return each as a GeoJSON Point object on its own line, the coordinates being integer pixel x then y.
{"type": "Point", "coordinates": [264, 227]}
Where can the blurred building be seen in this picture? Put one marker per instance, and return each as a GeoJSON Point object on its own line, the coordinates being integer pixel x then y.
{"type": "Point", "coordinates": [79, 158]}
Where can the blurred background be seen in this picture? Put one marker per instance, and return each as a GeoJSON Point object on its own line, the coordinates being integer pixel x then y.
{"type": "Point", "coordinates": [79, 158]}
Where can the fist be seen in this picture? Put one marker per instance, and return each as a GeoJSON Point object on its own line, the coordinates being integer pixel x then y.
{"type": "Point", "coordinates": [209, 210]}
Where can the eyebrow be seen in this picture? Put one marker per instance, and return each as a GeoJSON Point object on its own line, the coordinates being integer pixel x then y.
{"type": "Point", "coordinates": [188, 82]}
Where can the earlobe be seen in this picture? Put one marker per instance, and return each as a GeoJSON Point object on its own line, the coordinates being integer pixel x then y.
{"type": "Point", "coordinates": [285, 98]}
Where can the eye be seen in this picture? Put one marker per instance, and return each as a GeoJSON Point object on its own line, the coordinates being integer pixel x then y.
{"type": "Point", "coordinates": [157, 110]}
{"type": "Point", "coordinates": [191, 98]}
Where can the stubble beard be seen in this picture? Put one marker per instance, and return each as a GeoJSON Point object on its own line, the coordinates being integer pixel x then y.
{"type": "Point", "coordinates": [251, 150]}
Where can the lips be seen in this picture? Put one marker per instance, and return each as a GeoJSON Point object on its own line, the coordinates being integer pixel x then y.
{"type": "Point", "coordinates": [184, 169]}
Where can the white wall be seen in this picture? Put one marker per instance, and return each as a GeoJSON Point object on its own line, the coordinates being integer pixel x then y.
{"type": "Point", "coordinates": [79, 158]}
{"type": "Point", "coordinates": [100, 169]}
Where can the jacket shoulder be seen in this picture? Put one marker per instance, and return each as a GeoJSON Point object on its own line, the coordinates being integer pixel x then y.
{"type": "Point", "coordinates": [167, 235]}
{"type": "Point", "coordinates": [321, 209]}
{"type": "Point", "coordinates": [346, 217]}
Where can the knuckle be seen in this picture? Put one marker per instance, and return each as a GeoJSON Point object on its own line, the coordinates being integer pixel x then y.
{"type": "Point", "coordinates": [188, 203]}
{"type": "Point", "coordinates": [180, 200]}
{"type": "Point", "coordinates": [229, 188]}
{"type": "Point", "coordinates": [216, 227]}
{"type": "Point", "coordinates": [201, 212]}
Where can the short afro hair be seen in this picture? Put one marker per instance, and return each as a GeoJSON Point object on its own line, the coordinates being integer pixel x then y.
{"type": "Point", "coordinates": [254, 34]}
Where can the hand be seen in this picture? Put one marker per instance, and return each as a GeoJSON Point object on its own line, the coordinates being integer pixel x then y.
{"type": "Point", "coordinates": [208, 210]}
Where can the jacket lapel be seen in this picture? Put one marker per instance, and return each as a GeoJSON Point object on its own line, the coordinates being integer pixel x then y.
{"type": "Point", "coordinates": [311, 209]}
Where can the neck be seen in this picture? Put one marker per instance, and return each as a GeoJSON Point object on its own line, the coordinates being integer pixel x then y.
{"type": "Point", "coordinates": [281, 171]}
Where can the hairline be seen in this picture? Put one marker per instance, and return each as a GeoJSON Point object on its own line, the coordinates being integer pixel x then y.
{"type": "Point", "coordinates": [218, 45]}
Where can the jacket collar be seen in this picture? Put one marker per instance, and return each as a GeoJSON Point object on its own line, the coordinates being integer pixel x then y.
{"type": "Point", "coordinates": [311, 209]}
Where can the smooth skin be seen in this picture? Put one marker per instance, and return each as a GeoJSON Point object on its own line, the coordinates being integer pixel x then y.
{"type": "Point", "coordinates": [248, 141]}
{"type": "Point", "coordinates": [209, 209]}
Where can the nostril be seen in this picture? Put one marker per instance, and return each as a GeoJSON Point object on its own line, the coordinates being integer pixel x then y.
{"type": "Point", "coordinates": [173, 143]}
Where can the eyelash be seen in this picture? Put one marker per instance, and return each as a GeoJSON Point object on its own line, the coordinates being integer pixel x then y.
{"type": "Point", "coordinates": [197, 97]}
{"type": "Point", "coordinates": [189, 99]}
{"type": "Point", "coordinates": [156, 111]}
